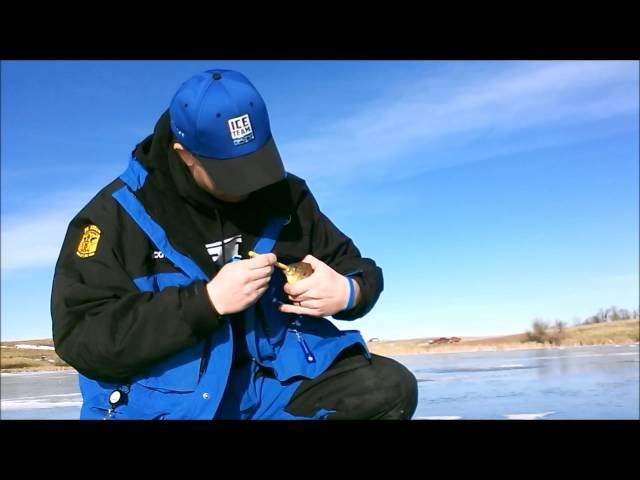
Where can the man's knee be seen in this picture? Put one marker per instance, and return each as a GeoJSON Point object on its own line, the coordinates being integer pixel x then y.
{"type": "Point", "coordinates": [358, 389]}
{"type": "Point", "coordinates": [401, 385]}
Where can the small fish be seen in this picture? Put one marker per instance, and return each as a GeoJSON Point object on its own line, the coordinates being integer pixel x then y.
{"type": "Point", "coordinates": [295, 271]}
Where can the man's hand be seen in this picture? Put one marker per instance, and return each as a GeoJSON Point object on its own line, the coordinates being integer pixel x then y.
{"type": "Point", "coordinates": [240, 284]}
{"type": "Point", "coordinates": [324, 293]}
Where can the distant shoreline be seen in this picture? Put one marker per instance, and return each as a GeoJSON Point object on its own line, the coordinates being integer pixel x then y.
{"type": "Point", "coordinates": [36, 370]}
{"type": "Point", "coordinates": [372, 349]}
{"type": "Point", "coordinates": [39, 356]}
{"type": "Point", "coordinates": [500, 348]}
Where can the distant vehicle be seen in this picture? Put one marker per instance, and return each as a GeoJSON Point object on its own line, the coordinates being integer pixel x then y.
{"type": "Point", "coordinates": [445, 340]}
{"type": "Point", "coordinates": [375, 339]}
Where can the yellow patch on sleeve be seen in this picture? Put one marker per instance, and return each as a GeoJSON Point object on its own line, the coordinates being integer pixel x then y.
{"type": "Point", "coordinates": [89, 242]}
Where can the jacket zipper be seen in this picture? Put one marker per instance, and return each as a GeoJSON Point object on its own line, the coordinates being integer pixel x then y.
{"type": "Point", "coordinates": [308, 354]}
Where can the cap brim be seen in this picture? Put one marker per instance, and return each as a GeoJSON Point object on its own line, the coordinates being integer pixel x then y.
{"type": "Point", "coordinates": [248, 173]}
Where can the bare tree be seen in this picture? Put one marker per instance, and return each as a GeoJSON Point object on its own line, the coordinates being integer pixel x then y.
{"type": "Point", "coordinates": [559, 334]}
{"type": "Point", "coordinates": [598, 317]}
{"type": "Point", "coordinates": [539, 331]}
{"type": "Point", "coordinates": [560, 325]}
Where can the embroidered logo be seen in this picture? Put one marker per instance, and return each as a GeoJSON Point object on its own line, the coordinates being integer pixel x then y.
{"type": "Point", "coordinates": [230, 246]}
{"type": "Point", "coordinates": [241, 130]}
{"type": "Point", "coordinates": [89, 242]}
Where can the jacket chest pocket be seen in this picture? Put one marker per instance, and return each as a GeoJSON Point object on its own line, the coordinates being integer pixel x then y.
{"type": "Point", "coordinates": [180, 372]}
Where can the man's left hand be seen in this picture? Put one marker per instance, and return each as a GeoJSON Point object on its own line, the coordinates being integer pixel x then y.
{"type": "Point", "coordinates": [325, 292]}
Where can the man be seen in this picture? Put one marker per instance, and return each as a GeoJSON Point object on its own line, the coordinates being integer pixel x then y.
{"type": "Point", "coordinates": [161, 309]}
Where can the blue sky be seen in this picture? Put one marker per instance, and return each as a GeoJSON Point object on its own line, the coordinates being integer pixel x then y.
{"type": "Point", "coordinates": [490, 193]}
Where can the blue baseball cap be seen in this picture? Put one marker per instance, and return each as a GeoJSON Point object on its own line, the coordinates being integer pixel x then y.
{"type": "Point", "coordinates": [220, 117]}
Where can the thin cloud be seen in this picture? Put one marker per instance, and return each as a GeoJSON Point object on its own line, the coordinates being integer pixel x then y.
{"type": "Point", "coordinates": [33, 244]}
{"type": "Point", "coordinates": [34, 239]}
{"type": "Point", "coordinates": [524, 96]}
{"type": "Point", "coordinates": [624, 279]}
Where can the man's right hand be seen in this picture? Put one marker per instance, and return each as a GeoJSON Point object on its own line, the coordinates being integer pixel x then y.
{"type": "Point", "coordinates": [240, 284]}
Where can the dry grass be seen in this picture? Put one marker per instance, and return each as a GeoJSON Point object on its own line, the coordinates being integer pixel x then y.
{"type": "Point", "coordinates": [620, 332]}
{"type": "Point", "coordinates": [22, 359]}
{"type": "Point", "coordinates": [20, 362]}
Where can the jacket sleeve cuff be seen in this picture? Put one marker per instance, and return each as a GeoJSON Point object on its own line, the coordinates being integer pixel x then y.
{"type": "Point", "coordinates": [358, 310]}
{"type": "Point", "coordinates": [198, 310]}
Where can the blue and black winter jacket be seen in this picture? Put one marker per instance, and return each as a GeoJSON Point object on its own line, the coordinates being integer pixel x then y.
{"type": "Point", "coordinates": [129, 304]}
